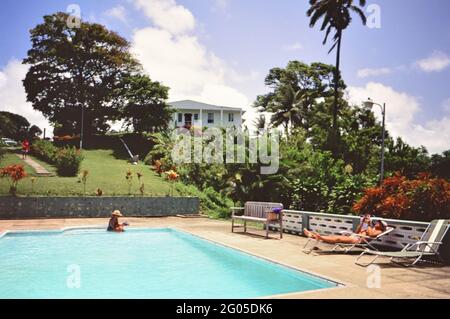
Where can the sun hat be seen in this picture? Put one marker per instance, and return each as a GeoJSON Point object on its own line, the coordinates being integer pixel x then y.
{"type": "Point", "coordinates": [117, 213]}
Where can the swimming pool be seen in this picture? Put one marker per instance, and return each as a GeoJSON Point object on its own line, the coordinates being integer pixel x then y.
{"type": "Point", "coordinates": [140, 263]}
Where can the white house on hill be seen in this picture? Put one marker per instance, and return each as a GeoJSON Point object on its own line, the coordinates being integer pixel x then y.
{"type": "Point", "coordinates": [196, 114]}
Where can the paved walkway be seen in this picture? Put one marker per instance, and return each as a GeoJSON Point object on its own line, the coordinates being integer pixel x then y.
{"type": "Point", "coordinates": [38, 168]}
{"type": "Point", "coordinates": [395, 281]}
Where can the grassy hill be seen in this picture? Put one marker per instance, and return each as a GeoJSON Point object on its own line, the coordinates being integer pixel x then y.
{"type": "Point", "coordinates": [106, 172]}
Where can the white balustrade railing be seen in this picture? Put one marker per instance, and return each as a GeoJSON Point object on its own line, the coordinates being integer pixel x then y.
{"type": "Point", "coordinates": [405, 232]}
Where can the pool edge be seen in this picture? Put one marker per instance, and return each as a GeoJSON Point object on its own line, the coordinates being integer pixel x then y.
{"type": "Point", "coordinates": [340, 284]}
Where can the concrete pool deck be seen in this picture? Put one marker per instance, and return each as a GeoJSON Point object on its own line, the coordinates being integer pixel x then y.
{"type": "Point", "coordinates": [396, 281]}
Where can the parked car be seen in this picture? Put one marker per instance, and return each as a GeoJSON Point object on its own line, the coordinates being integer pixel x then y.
{"type": "Point", "coordinates": [9, 142]}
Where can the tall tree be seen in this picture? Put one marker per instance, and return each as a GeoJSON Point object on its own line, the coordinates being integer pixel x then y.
{"type": "Point", "coordinates": [300, 83]}
{"type": "Point", "coordinates": [260, 123]}
{"type": "Point", "coordinates": [146, 109]}
{"type": "Point", "coordinates": [406, 159]}
{"type": "Point", "coordinates": [13, 126]}
{"type": "Point", "coordinates": [440, 165]}
{"type": "Point", "coordinates": [75, 71]}
{"type": "Point", "coordinates": [336, 16]}
{"type": "Point", "coordinates": [34, 131]}
{"type": "Point", "coordinates": [286, 108]}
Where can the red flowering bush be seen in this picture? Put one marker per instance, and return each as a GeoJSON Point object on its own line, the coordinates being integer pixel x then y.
{"type": "Point", "coordinates": [14, 173]}
{"type": "Point", "coordinates": [68, 161]}
{"type": "Point", "coordinates": [423, 199]}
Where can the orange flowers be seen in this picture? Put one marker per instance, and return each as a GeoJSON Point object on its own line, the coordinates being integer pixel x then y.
{"type": "Point", "coordinates": [158, 166]}
{"type": "Point", "coordinates": [172, 175]}
{"type": "Point", "coordinates": [14, 173]}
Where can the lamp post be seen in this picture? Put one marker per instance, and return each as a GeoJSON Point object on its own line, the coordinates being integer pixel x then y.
{"type": "Point", "coordinates": [82, 127]}
{"type": "Point", "coordinates": [369, 104]}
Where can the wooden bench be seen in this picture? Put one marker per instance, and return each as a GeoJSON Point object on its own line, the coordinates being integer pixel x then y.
{"type": "Point", "coordinates": [256, 212]}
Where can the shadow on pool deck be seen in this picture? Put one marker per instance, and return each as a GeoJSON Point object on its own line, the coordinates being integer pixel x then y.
{"type": "Point", "coordinates": [396, 281]}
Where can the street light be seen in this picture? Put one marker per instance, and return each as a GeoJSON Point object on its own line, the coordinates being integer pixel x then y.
{"type": "Point", "coordinates": [369, 104]}
{"type": "Point", "coordinates": [82, 127]}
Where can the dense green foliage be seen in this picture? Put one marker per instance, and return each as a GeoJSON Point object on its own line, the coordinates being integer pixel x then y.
{"type": "Point", "coordinates": [67, 160]}
{"type": "Point", "coordinates": [212, 203]}
{"type": "Point", "coordinates": [2, 149]}
{"type": "Point", "coordinates": [440, 165]}
{"type": "Point", "coordinates": [16, 127]}
{"type": "Point", "coordinates": [146, 109]}
{"type": "Point", "coordinates": [44, 150]}
{"type": "Point", "coordinates": [310, 177]}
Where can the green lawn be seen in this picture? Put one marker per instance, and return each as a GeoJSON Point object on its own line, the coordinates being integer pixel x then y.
{"type": "Point", "coordinates": [105, 172]}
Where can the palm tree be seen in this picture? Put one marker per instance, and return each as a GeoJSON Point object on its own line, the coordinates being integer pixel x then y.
{"type": "Point", "coordinates": [260, 123]}
{"type": "Point", "coordinates": [287, 108]}
{"type": "Point", "coordinates": [336, 15]}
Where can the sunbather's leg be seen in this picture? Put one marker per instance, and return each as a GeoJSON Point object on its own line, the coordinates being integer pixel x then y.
{"type": "Point", "coordinates": [310, 234]}
{"type": "Point", "coordinates": [338, 239]}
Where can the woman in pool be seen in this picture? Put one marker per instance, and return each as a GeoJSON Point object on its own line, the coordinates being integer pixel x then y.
{"type": "Point", "coordinates": [365, 228]}
{"type": "Point", "coordinates": [114, 224]}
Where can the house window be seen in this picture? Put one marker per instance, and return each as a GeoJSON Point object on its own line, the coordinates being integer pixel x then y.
{"type": "Point", "coordinates": [210, 118]}
{"type": "Point", "coordinates": [195, 117]}
{"type": "Point", "coordinates": [231, 117]}
{"type": "Point", "coordinates": [180, 117]}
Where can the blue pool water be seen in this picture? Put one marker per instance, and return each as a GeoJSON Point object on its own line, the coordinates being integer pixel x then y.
{"type": "Point", "coordinates": [150, 263]}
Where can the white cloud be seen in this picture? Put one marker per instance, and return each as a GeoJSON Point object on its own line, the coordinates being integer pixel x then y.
{"type": "Point", "coordinates": [118, 12]}
{"type": "Point", "coordinates": [168, 15]}
{"type": "Point", "coordinates": [367, 72]}
{"type": "Point", "coordinates": [401, 109]}
{"type": "Point", "coordinates": [182, 62]}
{"type": "Point", "coordinates": [438, 61]}
{"type": "Point", "coordinates": [13, 96]}
{"type": "Point", "coordinates": [293, 47]}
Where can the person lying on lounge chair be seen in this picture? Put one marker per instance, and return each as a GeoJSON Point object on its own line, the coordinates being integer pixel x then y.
{"type": "Point", "coordinates": [114, 224]}
{"type": "Point", "coordinates": [365, 228]}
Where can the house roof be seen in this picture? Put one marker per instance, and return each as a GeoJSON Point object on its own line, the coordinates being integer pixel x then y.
{"type": "Point", "coordinates": [189, 104]}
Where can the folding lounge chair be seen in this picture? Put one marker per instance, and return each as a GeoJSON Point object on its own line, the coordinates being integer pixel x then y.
{"type": "Point", "coordinates": [427, 246]}
{"type": "Point", "coordinates": [345, 248]}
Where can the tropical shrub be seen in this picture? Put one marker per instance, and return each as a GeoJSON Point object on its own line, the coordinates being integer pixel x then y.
{"type": "Point", "coordinates": [423, 199]}
{"type": "Point", "coordinates": [68, 161]}
{"type": "Point", "coordinates": [14, 174]}
{"type": "Point", "coordinates": [2, 149]}
{"type": "Point", "coordinates": [313, 184]}
{"type": "Point", "coordinates": [44, 150]}
{"type": "Point", "coordinates": [310, 194]}
{"type": "Point", "coordinates": [212, 203]}
{"type": "Point", "coordinates": [347, 190]}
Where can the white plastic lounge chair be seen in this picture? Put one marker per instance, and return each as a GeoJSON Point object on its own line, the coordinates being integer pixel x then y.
{"type": "Point", "coordinates": [427, 246]}
{"type": "Point", "coordinates": [345, 248]}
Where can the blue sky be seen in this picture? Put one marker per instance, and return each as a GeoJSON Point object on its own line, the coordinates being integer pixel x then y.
{"type": "Point", "coordinates": [219, 51]}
